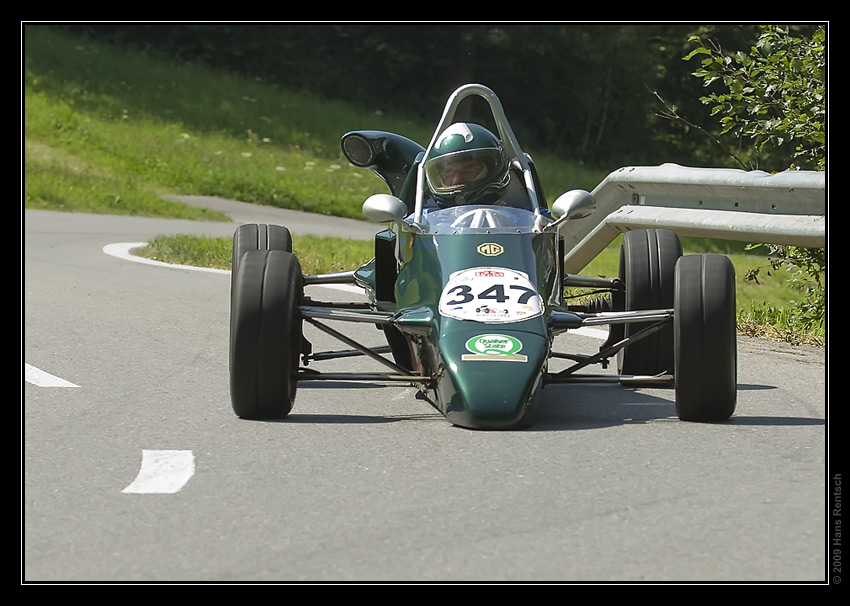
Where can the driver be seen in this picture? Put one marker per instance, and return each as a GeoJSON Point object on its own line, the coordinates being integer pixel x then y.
{"type": "Point", "coordinates": [467, 165]}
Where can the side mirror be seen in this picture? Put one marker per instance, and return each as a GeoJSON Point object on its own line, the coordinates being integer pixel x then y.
{"type": "Point", "coordinates": [575, 204]}
{"type": "Point", "coordinates": [384, 208]}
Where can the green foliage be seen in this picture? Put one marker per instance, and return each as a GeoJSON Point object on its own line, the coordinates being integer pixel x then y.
{"type": "Point", "coordinates": [807, 271]}
{"type": "Point", "coordinates": [774, 95]}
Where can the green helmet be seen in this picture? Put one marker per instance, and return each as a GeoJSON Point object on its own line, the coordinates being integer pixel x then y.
{"type": "Point", "coordinates": [467, 165]}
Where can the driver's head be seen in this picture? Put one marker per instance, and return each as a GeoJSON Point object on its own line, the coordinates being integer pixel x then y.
{"type": "Point", "coordinates": [466, 166]}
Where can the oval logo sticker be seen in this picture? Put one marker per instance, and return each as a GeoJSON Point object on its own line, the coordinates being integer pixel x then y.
{"type": "Point", "coordinates": [494, 347]}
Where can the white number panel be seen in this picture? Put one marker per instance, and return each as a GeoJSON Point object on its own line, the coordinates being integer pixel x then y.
{"type": "Point", "coordinates": [490, 294]}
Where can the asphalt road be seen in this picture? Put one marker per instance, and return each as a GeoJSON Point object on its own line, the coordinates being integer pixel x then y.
{"type": "Point", "coordinates": [136, 470]}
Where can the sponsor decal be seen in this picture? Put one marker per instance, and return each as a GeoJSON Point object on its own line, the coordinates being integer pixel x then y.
{"type": "Point", "coordinates": [490, 249]}
{"type": "Point", "coordinates": [494, 348]}
{"type": "Point", "coordinates": [490, 295]}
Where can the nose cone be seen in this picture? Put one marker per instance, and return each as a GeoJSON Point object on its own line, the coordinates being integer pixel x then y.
{"type": "Point", "coordinates": [490, 376]}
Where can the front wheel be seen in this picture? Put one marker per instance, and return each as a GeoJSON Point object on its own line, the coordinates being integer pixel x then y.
{"type": "Point", "coordinates": [265, 334]}
{"type": "Point", "coordinates": [705, 342]}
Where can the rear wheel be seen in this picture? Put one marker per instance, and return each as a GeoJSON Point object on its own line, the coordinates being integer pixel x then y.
{"type": "Point", "coordinates": [705, 341]}
{"type": "Point", "coordinates": [259, 236]}
{"type": "Point", "coordinates": [265, 334]}
{"type": "Point", "coordinates": [647, 265]}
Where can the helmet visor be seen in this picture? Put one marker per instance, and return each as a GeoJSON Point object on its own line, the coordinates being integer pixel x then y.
{"type": "Point", "coordinates": [456, 172]}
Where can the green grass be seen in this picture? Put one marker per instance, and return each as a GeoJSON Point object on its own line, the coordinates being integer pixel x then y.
{"type": "Point", "coordinates": [112, 131]}
{"type": "Point", "coordinates": [140, 127]}
{"type": "Point", "coordinates": [315, 254]}
{"type": "Point", "coordinates": [196, 251]}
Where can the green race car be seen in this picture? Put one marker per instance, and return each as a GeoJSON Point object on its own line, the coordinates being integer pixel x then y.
{"type": "Point", "coordinates": [467, 285]}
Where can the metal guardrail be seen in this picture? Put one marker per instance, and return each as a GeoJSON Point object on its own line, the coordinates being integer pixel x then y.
{"type": "Point", "coordinates": [787, 208]}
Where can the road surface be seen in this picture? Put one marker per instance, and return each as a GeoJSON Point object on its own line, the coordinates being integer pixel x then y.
{"type": "Point", "coordinates": [136, 470]}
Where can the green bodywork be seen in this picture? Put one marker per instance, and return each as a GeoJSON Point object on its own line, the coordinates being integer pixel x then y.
{"type": "Point", "coordinates": [484, 390]}
{"type": "Point", "coordinates": [472, 388]}
{"type": "Point", "coordinates": [485, 369]}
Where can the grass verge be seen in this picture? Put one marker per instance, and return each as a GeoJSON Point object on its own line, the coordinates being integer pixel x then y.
{"type": "Point", "coordinates": [113, 131]}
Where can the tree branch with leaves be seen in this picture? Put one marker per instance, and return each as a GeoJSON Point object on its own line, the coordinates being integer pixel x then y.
{"type": "Point", "coordinates": [774, 96]}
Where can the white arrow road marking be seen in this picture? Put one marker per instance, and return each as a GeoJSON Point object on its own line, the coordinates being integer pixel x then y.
{"type": "Point", "coordinates": [163, 472]}
{"type": "Point", "coordinates": [40, 378]}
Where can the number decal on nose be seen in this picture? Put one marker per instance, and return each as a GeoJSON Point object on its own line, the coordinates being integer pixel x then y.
{"type": "Point", "coordinates": [490, 294]}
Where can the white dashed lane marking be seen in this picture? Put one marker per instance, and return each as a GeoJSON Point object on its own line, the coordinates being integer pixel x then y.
{"type": "Point", "coordinates": [38, 377]}
{"type": "Point", "coordinates": [161, 471]}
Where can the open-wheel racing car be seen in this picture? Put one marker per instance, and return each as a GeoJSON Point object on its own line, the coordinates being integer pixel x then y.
{"type": "Point", "coordinates": [467, 285]}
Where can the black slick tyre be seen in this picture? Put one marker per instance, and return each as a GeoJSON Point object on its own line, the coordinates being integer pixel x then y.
{"type": "Point", "coordinates": [705, 341]}
{"type": "Point", "coordinates": [647, 264]}
{"type": "Point", "coordinates": [265, 334]}
{"type": "Point", "coordinates": [259, 236]}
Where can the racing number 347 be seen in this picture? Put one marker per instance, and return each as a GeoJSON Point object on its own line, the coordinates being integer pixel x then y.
{"type": "Point", "coordinates": [495, 292]}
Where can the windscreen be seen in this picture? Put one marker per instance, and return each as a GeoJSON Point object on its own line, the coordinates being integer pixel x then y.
{"type": "Point", "coordinates": [478, 219]}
